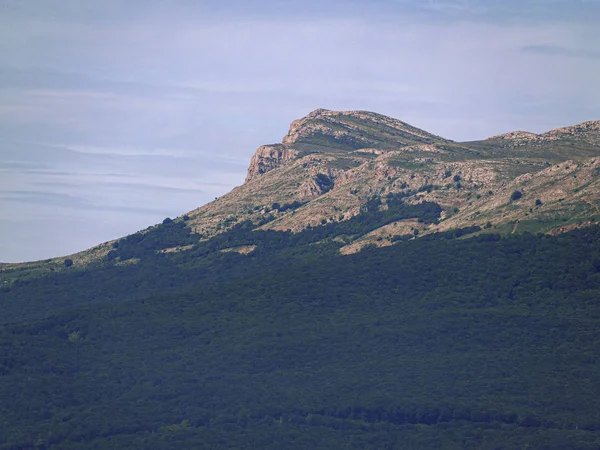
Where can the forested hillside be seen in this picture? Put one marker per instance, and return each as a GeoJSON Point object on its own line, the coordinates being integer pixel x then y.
{"type": "Point", "coordinates": [447, 341]}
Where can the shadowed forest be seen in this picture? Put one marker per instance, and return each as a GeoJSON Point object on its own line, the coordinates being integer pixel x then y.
{"type": "Point", "coordinates": [456, 340]}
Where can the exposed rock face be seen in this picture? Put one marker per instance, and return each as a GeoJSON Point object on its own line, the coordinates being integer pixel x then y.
{"type": "Point", "coordinates": [309, 189]}
{"type": "Point", "coordinates": [331, 163]}
{"type": "Point", "coordinates": [269, 157]}
{"type": "Point", "coordinates": [324, 131]}
{"type": "Point", "coordinates": [355, 129]}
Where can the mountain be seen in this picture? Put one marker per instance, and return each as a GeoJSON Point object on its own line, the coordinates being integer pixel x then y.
{"type": "Point", "coordinates": [370, 285]}
{"type": "Point", "coordinates": [337, 132]}
{"type": "Point", "coordinates": [331, 163]}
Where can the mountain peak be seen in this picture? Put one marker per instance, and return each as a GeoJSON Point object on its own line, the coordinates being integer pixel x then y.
{"type": "Point", "coordinates": [355, 129]}
{"type": "Point", "coordinates": [327, 131]}
{"type": "Point", "coordinates": [318, 112]}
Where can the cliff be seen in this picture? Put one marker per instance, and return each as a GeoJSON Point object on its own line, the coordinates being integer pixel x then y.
{"type": "Point", "coordinates": [269, 157]}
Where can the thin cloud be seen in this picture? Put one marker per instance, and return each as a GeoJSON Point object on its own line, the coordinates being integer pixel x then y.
{"type": "Point", "coordinates": [70, 202]}
{"type": "Point", "coordinates": [123, 186]}
{"type": "Point", "coordinates": [558, 51]}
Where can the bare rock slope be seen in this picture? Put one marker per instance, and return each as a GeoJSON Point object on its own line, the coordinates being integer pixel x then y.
{"type": "Point", "coordinates": [324, 131]}
{"type": "Point", "coordinates": [332, 162]}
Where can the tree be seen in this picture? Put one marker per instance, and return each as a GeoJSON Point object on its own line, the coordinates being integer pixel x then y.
{"type": "Point", "coordinates": [516, 195]}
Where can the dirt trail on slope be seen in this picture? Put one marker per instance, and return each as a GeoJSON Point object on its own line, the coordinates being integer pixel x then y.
{"type": "Point", "coordinates": [592, 204]}
{"type": "Point", "coordinates": [515, 227]}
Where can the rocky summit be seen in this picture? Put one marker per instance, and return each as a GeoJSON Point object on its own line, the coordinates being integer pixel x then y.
{"type": "Point", "coordinates": [330, 163]}
{"type": "Point", "coordinates": [325, 131]}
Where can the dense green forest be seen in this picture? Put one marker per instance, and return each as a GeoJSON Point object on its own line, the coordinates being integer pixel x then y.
{"type": "Point", "coordinates": [453, 341]}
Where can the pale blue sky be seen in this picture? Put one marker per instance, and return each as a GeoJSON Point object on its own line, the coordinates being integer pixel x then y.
{"type": "Point", "coordinates": [114, 114]}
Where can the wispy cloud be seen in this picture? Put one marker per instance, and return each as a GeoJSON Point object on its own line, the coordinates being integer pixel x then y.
{"type": "Point", "coordinates": [559, 51]}
{"type": "Point", "coordinates": [457, 6]}
{"type": "Point", "coordinates": [71, 202]}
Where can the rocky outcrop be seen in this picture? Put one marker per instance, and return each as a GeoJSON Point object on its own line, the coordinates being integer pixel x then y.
{"type": "Point", "coordinates": [318, 168]}
{"type": "Point", "coordinates": [588, 132]}
{"type": "Point", "coordinates": [516, 137]}
{"type": "Point", "coordinates": [309, 189]}
{"type": "Point", "coordinates": [324, 131]}
{"type": "Point", "coordinates": [269, 157]}
{"type": "Point", "coordinates": [355, 130]}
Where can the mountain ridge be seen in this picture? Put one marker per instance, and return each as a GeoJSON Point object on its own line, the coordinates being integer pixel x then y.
{"type": "Point", "coordinates": [330, 163]}
{"type": "Point", "coordinates": [465, 178]}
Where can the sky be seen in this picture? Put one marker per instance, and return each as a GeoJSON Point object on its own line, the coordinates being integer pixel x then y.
{"type": "Point", "coordinates": [117, 114]}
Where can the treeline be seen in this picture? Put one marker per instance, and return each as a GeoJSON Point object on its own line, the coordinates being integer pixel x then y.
{"type": "Point", "coordinates": [143, 243]}
{"type": "Point", "coordinates": [372, 216]}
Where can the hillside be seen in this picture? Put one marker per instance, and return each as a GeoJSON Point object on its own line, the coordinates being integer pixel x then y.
{"type": "Point", "coordinates": [270, 318]}
{"type": "Point", "coordinates": [438, 342]}
{"type": "Point", "coordinates": [331, 163]}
